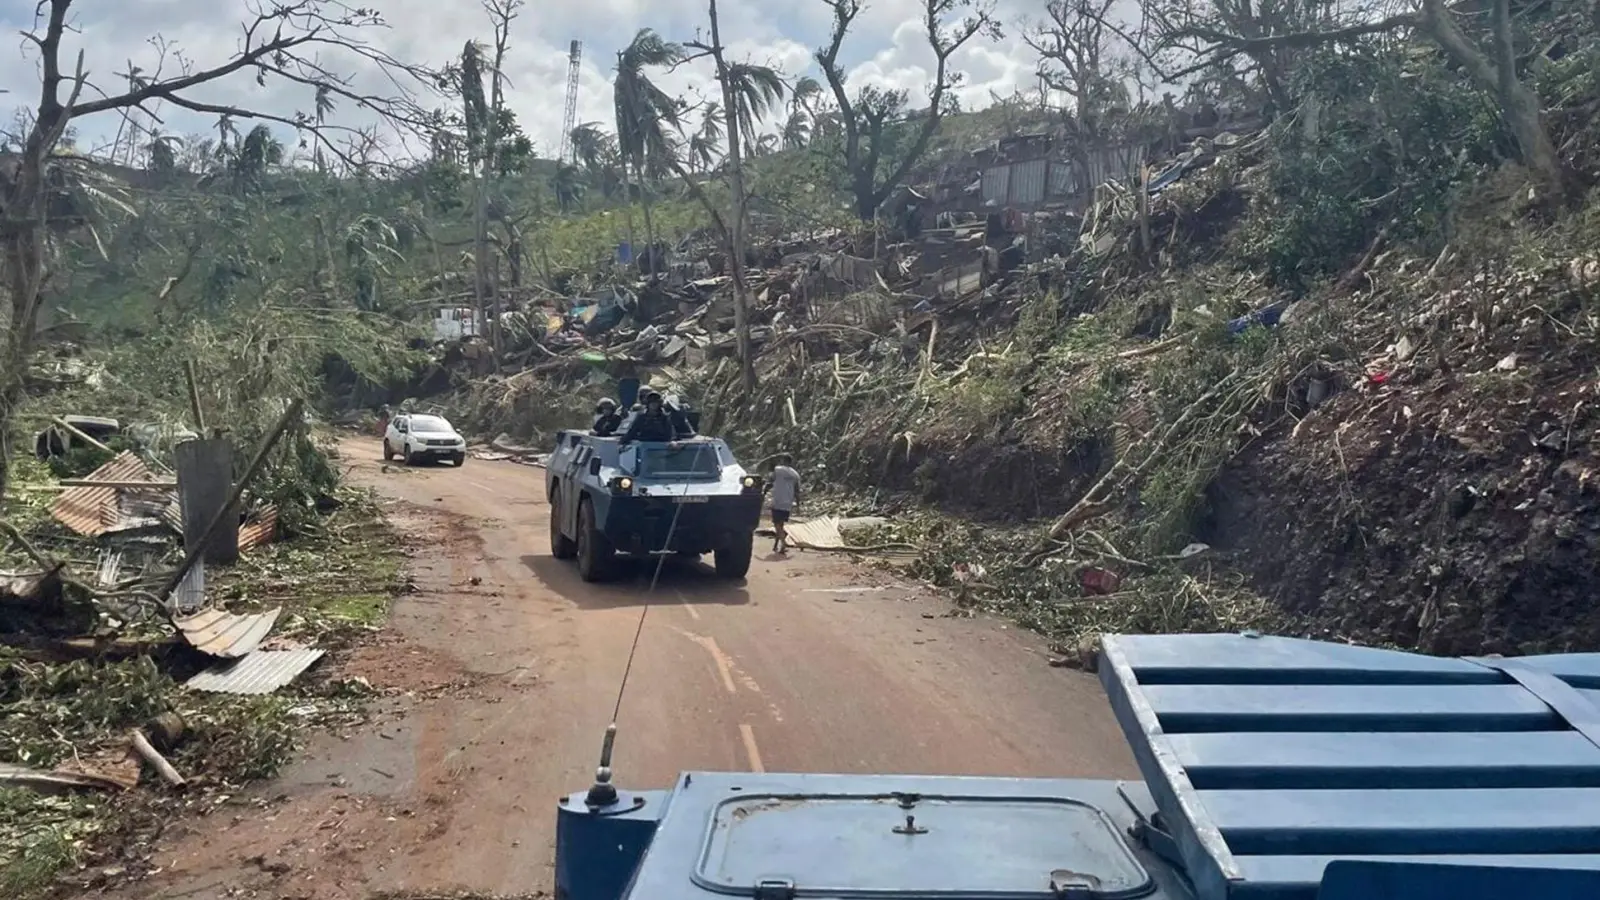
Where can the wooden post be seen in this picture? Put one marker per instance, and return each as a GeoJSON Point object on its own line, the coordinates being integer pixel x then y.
{"type": "Point", "coordinates": [205, 479]}
{"type": "Point", "coordinates": [194, 397]}
{"type": "Point", "coordinates": [80, 435]}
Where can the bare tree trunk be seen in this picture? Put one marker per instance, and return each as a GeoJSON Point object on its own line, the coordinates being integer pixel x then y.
{"type": "Point", "coordinates": [1519, 105]}
{"type": "Point", "coordinates": [649, 227]}
{"type": "Point", "coordinates": [736, 228]}
{"type": "Point", "coordinates": [9, 395]}
{"type": "Point", "coordinates": [627, 207]}
{"type": "Point", "coordinates": [22, 251]}
{"type": "Point", "coordinates": [480, 254]}
{"type": "Point", "coordinates": [514, 251]}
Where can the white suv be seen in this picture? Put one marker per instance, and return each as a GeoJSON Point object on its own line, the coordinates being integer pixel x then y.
{"type": "Point", "coordinates": [415, 438]}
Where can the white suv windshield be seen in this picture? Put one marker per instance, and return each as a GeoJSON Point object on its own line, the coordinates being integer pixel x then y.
{"type": "Point", "coordinates": [430, 423]}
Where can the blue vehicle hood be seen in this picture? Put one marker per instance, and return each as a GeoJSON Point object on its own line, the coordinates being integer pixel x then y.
{"type": "Point", "coordinates": [1275, 769]}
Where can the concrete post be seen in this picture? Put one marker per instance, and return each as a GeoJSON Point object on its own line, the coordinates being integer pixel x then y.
{"type": "Point", "coordinates": [205, 481]}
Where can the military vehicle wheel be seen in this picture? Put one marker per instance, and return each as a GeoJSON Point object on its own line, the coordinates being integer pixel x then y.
{"type": "Point", "coordinates": [561, 546]}
{"type": "Point", "coordinates": [734, 562]}
{"type": "Point", "coordinates": [594, 551]}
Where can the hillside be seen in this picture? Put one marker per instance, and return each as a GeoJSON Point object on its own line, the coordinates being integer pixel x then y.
{"type": "Point", "coordinates": [1313, 351]}
{"type": "Point", "coordinates": [1398, 450]}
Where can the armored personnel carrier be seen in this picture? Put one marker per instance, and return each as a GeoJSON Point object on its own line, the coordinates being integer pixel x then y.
{"type": "Point", "coordinates": [685, 497]}
{"type": "Point", "coordinates": [1274, 769]}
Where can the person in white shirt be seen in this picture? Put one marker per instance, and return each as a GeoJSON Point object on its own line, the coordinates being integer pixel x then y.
{"type": "Point", "coordinates": [785, 487]}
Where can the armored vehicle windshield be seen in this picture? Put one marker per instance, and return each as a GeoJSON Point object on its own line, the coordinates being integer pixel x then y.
{"type": "Point", "coordinates": [699, 460]}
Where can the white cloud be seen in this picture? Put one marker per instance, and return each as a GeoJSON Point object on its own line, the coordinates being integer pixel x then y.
{"type": "Point", "coordinates": [887, 48]}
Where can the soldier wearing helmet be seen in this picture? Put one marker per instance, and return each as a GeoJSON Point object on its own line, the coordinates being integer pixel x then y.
{"type": "Point", "coordinates": [606, 419]}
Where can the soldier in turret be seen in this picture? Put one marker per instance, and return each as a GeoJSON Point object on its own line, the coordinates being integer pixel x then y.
{"type": "Point", "coordinates": [655, 423]}
{"type": "Point", "coordinates": [606, 419]}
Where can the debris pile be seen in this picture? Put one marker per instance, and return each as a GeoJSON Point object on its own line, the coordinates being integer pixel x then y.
{"type": "Point", "coordinates": [106, 612]}
{"type": "Point", "coordinates": [852, 300]}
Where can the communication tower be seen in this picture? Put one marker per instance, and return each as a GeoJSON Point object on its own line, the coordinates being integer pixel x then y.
{"type": "Point", "coordinates": [570, 120]}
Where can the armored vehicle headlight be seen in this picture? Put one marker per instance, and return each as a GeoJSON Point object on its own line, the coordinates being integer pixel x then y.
{"type": "Point", "coordinates": [749, 481]}
{"type": "Point", "coordinates": [624, 483]}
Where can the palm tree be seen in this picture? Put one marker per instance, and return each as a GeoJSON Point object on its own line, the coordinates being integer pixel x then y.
{"type": "Point", "coordinates": [705, 145]}
{"type": "Point", "coordinates": [596, 149]}
{"type": "Point", "coordinates": [162, 152]}
{"type": "Point", "coordinates": [802, 112]}
{"type": "Point", "coordinates": [805, 93]}
{"type": "Point", "coordinates": [757, 90]}
{"type": "Point", "coordinates": [796, 131]}
{"type": "Point", "coordinates": [644, 111]}
{"type": "Point", "coordinates": [253, 155]}
{"type": "Point", "coordinates": [369, 245]}
{"type": "Point", "coordinates": [567, 186]}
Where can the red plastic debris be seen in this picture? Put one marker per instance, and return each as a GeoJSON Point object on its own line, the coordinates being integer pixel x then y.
{"type": "Point", "coordinates": [1099, 582]}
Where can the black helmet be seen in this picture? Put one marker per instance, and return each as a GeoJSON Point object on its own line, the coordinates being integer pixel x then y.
{"type": "Point", "coordinates": [652, 397]}
{"type": "Point", "coordinates": [606, 404]}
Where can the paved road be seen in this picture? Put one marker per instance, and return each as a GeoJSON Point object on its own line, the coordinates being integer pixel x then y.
{"type": "Point", "coordinates": [505, 668]}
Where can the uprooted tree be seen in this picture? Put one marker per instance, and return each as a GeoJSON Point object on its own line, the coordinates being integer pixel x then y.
{"type": "Point", "coordinates": [870, 118]}
{"type": "Point", "coordinates": [281, 44]}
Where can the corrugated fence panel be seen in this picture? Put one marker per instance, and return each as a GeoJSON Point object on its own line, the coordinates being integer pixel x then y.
{"type": "Point", "coordinates": [1028, 180]}
{"type": "Point", "coordinates": [996, 183]}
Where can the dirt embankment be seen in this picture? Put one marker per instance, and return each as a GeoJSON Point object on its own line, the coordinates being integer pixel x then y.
{"type": "Point", "coordinates": [1458, 512]}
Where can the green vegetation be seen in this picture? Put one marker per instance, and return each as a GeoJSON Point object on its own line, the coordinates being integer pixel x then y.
{"type": "Point", "coordinates": [1096, 413]}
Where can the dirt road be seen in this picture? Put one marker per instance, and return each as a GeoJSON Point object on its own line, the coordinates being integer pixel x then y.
{"type": "Point", "coordinates": [503, 669]}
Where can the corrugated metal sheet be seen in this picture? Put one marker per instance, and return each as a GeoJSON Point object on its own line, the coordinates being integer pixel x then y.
{"type": "Point", "coordinates": [261, 531]}
{"type": "Point", "coordinates": [817, 534]}
{"type": "Point", "coordinates": [262, 672]}
{"type": "Point", "coordinates": [190, 594]}
{"type": "Point", "coordinates": [1270, 757]}
{"type": "Point", "coordinates": [1028, 182]}
{"type": "Point", "coordinates": [996, 182]}
{"type": "Point", "coordinates": [1114, 164]}
{"type": "Point", "coordinates": [223, 634]}
{"type": "Point", "coordinates": [1062, 183]}
{"type": "Point", "coordinates": [92, 511]}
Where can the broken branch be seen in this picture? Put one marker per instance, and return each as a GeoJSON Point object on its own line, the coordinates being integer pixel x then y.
{"type": "Point", "coordinates": [151, 755]}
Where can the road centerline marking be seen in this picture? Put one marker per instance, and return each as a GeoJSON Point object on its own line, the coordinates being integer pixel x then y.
{"type": "Point", "coordinates": [723, 662]}
{"type": "Point", "coordinates": [693, 613]}
{"type": "Point", "coordinates": [748, 735]}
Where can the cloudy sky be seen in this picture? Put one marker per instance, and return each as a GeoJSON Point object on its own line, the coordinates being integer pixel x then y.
{"type": "Point", "coordinates": [887, 47]}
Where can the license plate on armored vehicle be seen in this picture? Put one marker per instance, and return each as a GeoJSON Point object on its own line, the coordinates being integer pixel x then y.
{"type": "Point", "coordinates": [692, 498]}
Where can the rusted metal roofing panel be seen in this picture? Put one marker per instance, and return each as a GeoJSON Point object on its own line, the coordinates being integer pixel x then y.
{"type": "Point", "coordinates": [223, 634]}
{"type": "Point", "coordinates": [261, 531]}
{"type": "Point", "coordinates": [1028, 182]}
{"type": "Point", "coordinates": [262, 672]}
{"type": "Point", "coordinates": [92, 511]}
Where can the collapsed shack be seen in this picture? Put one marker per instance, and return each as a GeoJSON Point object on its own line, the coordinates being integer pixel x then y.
{"type": "Point", "coordinates": [117, 585]}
